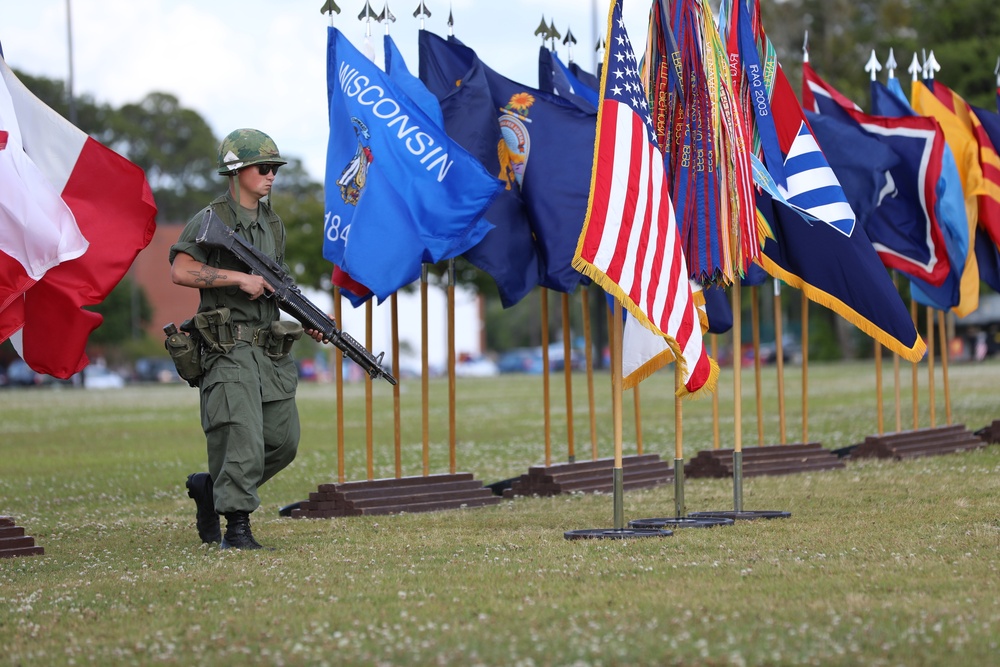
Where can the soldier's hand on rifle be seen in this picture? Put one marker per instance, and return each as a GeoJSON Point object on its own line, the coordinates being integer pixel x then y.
{"type": "Point", "coordinates": [315, 335]}
{"type": "Point", "coordinates": [254, 285]}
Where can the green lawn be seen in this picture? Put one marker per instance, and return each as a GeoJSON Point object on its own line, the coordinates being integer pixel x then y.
{"type": "Point", "coordinates": [883, 563]}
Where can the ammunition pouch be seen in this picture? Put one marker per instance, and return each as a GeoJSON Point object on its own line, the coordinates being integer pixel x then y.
{"type": "Point", "coordinates": [185, 351]}
{"type": "Point", "coordinates": [281, 337]}
{"type": "Point", "coordinates": [214, 328]}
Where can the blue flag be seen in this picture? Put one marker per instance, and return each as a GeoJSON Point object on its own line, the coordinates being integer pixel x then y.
{"type": "Point", "coordinates": [547, 152]}
{"type": "Point", "coordinates": [508, 252]}
{"type": "Point", "coordinates": [718, 308]}
{"type": "Point", "coordinates": [399, 192]}
{"type": "Point", "coordinates": [589, 80]}
{"type": "Point", "coordinates": [860, 162]}
{"type": "Point", "coordinates": [988, 259]}
{"type": "Point", "coordinates": [554, 77]}
{"type": "Point", "coordinates": [947, 202]}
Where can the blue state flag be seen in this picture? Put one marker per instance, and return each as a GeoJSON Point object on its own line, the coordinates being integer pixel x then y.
{"type": "Point", "coordinates": [860, 162]}
{"type": "Point", "coordinates": [399, 191]}
{"type": "Point", "coordinates": [547, 153]}
{"type": "Point", "coordinates": [508, 252]}
{"type": "Point", "coordinates": [948, 206]}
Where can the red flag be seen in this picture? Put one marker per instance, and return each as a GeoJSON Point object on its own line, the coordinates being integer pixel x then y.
{"type": "Point", "coordinates": [114, 209]}
{"type": "Point", "coordinates": [630, 244]}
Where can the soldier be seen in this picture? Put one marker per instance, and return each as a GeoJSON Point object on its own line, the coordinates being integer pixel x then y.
{"type": "Point", "coordinates": [248, 384]}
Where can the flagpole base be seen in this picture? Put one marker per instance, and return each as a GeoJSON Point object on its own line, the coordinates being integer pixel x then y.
{"type": "Point", "coordinates": [679, 522]}
{"type": "Point", "coordinates": [679, 509]}
{"type": "Point", "coordinates": [618, 494]}
{"type": "Point", "coordinates": [748, 515]}
{"type": "Point", "coordinates": [615, 533]}
{"type": "Point", "coordinates": [737, 481]}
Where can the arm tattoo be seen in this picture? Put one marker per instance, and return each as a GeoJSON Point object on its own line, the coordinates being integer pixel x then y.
{"type": "Point", "coordinates": [207, 275]}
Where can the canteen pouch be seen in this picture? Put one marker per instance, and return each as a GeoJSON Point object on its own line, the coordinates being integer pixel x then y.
{"type": "Point", "coordinates": [282, 336]}
{"type": "Point", "coordinates": [214, 328]}
{"type": "Point", "coordinates": [185, 352]}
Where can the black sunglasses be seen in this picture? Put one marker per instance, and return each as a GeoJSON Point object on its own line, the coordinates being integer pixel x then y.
{"type": "Point", "coordinates": [263, 169]}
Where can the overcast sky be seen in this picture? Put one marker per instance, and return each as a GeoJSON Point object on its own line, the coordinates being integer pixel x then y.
{"type": "Point", "coordinates": [261, 63]}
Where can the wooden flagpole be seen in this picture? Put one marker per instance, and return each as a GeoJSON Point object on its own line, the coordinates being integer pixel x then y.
{"type": "Point", "coordinates": [369, 416]}
{"type": "Point", "coordinates": [915, 380]}
{"type": "Point", "coordinates": [679, 507]}
{"type": "Point", "coordinates": [878, 387]}
{"type": "Point", "coordinates": [945, 352]}
{"type": "Point", "coordinates": [737, 403]}
{"type": "Point", "coordinates": [568, 375]}
{"type": "Point", "coordinates": [589, 360]}
{"type": "Point", "coordinates": [805, 368]}
{"type": "Point", "coordinates": [425, 373]}
{"type": "Point", "coordinates": [758, 392]}
{"type": "Point", "coordinates": [338, 378]}
{"type": "Point", "coordinates": [618, 476]}
{"type": "Point", "coordinates": [716, 440]}
{"type": "Point", "coordinates": [637, 405]}
{"type": "Point", "coordinates": [452, 432]}
{"type": "Point", "coordinates": [778, 320]}
{"type": "Point", "coordinates": [930, 365]}
{"type": "Point", "coordinates": [396, 416]}
{"type": "Point", "coordinates": [544, 296]}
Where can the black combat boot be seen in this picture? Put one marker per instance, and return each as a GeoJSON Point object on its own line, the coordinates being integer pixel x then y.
{"type": "Point", "coordinates": [238, 535]}
{"type": "Point", "coordinates": [199, 486]}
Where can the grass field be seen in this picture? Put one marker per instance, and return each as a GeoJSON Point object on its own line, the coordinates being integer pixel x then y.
{"type": "Point", "coordinates": [883, 563]}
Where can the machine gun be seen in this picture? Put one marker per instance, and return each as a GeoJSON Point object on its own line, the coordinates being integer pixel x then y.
{"type": "Point", "coordinates": [214, 233]}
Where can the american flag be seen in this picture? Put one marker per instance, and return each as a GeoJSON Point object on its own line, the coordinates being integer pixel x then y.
{"type": "Point", "coordinates": [630, 243]}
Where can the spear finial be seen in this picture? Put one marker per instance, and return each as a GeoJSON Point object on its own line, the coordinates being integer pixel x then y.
{"type": "Point", "coordinates": [451, 22]}
{"type": "Point", "coordinates": [805, 47]}
{"type": "Point", "coordinates": [873, 66]}
{"type": "Point", "coordinates": [891, 65]}
{"type": "Point", "coordinates": [553, 34]}
{"type": "Point", "coordinates": [568, 41]}
{"type": "Point", "coordinates": [367, 14]}
{"type": "Point", "coordinates": [914, 69]}
{"type": "Point", "coordinates": [329, 7]}
{"type": "Point", "coordinates": [543, 30]}
{"type": "Point", "coordinates": [422, 12]}
{"type": "Point", "coordinates": [996, 71]}
{"type": "Point", "coordinates": [386, 17]}
{"type": "Point", "coordinates": [931, 66]}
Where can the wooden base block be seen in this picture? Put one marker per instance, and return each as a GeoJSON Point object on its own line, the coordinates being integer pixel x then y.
{"type": "Point", "coordinates": [919, 442]}
{"type": "Point", "coordinates": [591, 476]}
{"type": "Point", "coordinates": [13, 541]}
{"type": "Point", "coordinates": [765, 460]}
{"type": "Point", "coordinates": [990, 434]}
{"type": "Point", "coordinates": [395, 495]}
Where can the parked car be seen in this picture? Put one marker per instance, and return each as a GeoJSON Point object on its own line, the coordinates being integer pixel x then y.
{"type": "Point", "coordinates": [529, 359]}
{"type": "Point", "coordinates": [521, 360]}
{"type": "Point", "coordinates": [20, 374]}
{"type": "Point", "coordinates": [476, 367]}
{"type": "Point", "coordinates": [155, 369]}
{"type": "Point", "coordinates": [101, 377]}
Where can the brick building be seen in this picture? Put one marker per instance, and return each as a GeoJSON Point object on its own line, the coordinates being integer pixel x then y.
{"type": "Point", "coordinates": [151, 270]}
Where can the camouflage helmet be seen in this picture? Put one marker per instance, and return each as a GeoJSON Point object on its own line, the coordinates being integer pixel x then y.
{"type": "Point", "coordinates": [244, 147]}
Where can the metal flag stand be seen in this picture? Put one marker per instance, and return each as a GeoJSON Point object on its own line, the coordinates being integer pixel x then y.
{"type": "Point", "coordinates": [618, 531]}
{"type": "Point", "coordinates": [680, 518]}
{"type": "Point", "coordinates": [738, 513]}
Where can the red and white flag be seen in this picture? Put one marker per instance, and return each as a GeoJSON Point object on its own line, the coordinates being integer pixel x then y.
{"type": "Point", "coordinates": [630, 243]}
{"type": "Point", "coordinates": [113, 207]}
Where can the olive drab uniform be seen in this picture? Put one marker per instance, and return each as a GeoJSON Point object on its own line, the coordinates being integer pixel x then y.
{"type": "Point", "coordinates": [248, 407]}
